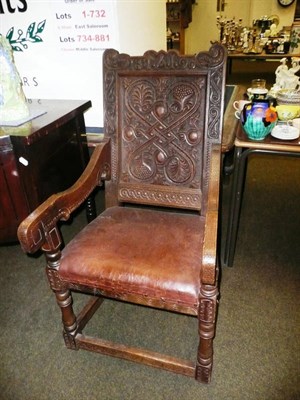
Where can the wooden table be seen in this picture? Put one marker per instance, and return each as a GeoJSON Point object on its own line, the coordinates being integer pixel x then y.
{"type": "Point", "coordinates": [231, 123]}
{"type": "Point", "coordinates": [39, 158]}
{"type": "Point", "coordinates": [261, 57]}
{"type": "Point", "coordinates": [243, 148]}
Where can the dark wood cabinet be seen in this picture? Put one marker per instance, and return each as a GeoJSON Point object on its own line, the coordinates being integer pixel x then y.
{"type": "Point", "coordinates": [297, 11]}
{"type": "Point", "coordinates": [39, 158]}
{"type": "Point", "coordinates": [179, 15]}
{"type": "Point", "coordinates": [175, 30]}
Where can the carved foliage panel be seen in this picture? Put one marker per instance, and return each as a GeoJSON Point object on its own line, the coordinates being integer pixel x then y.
{"type": "Point", "coordinates": [161, 133]}
{"type": "Point", "coordinates": [162, 112]}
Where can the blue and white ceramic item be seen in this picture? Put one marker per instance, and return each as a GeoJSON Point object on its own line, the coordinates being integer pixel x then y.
{"type": "Point", "coordinates": [258, 119]}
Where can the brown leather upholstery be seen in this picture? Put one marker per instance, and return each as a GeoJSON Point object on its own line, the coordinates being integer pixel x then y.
{"type": "Point", "coordinates": [161, 268]}
{"type": "Point", "coordinates": [155, 244]}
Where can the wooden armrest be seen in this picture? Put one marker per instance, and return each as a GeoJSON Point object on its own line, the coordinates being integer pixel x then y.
{"type": "Point", "coordinates": [209, 254]}
{"type": "Point", "coordinates": [39, 229]}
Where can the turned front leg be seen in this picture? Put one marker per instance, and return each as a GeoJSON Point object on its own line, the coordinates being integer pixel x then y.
{"type": "Point", "coordinates": [63, 298]}
{"type": "Point", "coordinates": [207, 327]}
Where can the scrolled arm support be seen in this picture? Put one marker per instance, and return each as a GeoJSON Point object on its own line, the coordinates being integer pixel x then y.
{"type": "Point", "coordinates": [39, 229]}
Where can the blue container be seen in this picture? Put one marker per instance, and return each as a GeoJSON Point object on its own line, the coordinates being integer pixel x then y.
{"type": "Point", "coordinates": [258, 119]}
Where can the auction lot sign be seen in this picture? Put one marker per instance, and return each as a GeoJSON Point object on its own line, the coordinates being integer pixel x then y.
{"type": "Point", "coordinates": [58, 47]}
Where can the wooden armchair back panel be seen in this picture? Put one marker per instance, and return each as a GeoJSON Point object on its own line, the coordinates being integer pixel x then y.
{"type": "Point", "coordinates": [162, 117]}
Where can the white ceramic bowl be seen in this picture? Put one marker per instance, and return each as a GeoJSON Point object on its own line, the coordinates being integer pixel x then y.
{"type": "Point", "coordinates": [286, 96]}
{"type": "Point", "coordinates": [285, 132]}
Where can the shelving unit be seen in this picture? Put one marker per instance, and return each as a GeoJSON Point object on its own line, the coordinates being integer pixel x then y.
{"type": "Point", "coordinates": [175, 40]}
{"type": "Point", "coordinates": [179, 15]}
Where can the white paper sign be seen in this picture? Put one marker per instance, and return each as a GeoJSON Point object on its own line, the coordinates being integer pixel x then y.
{"type": "Point", "coordinates": [58, 47]}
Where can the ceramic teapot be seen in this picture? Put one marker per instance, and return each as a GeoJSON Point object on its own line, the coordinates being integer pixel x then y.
{"type": "Point", "coordinates": [258, 118]}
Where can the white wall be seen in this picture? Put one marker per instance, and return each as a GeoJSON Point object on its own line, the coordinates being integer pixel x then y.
{"type": "Point", "coordinates": [142, 25]}
{"type": "Point", "coordinates": [203, 27]}
{"type": "Point", "coordinates": [271, 7]}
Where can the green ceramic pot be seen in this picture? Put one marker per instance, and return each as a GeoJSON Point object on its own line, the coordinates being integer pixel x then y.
{"type": "Point", "coordinates": [258, 119]}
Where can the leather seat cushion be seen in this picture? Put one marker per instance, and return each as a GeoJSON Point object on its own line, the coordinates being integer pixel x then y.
{"type": "Point", "coordinates": [139, 252]}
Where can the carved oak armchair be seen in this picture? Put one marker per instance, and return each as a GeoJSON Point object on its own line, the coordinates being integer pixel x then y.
{"type": "Point", "coordinates": [161, 153]}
